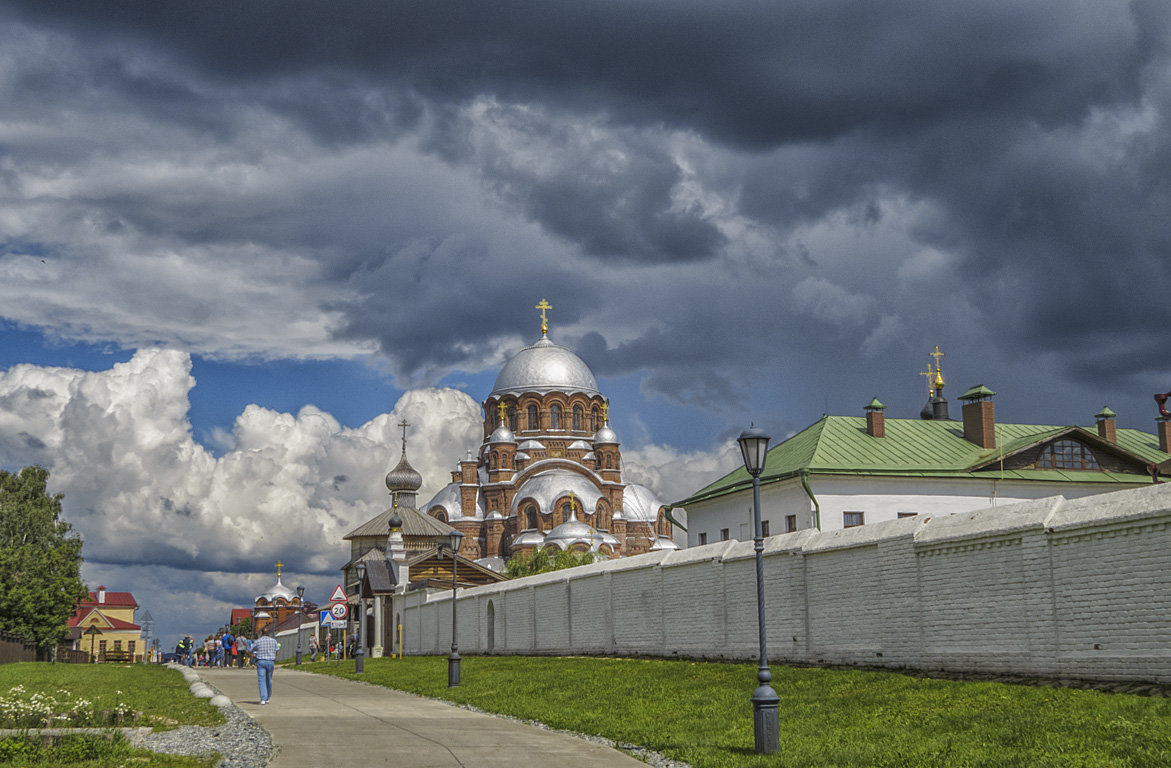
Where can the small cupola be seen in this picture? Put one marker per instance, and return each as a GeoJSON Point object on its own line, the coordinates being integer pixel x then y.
{"type": "Point", "coordinates": [979, 416]}
{"type": "Point", "coordinates": [875, 419]}
{"type": "Point", "coordinates": [1107, 424]}
{"type": "Point", "coordinates": [935, 409]}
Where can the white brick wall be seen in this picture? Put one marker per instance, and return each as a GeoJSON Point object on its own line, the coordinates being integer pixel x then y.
{"type": "Point", "coordinates": [1050, 587]}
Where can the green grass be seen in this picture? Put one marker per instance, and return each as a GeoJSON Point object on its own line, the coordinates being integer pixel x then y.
{"type": "Point", "coordinates": [160, 694]}
{"type": "Point", "coordinates": [700, 712]}
{"type": "Point", "coordinates": [89, 752]}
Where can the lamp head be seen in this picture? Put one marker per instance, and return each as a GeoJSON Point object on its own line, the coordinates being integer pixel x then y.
{"type": "Point", "coordinates": [451, 540]}
{"type": "Point", "coordinates": [300, 592]}
{"type": "Point", "coordinates": [754, 449]}
{"type": "Point", "coordinates": [361, 569]}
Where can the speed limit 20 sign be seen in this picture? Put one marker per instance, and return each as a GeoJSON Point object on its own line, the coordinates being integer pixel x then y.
{"type": "Point", "coordinates": [338, 610]}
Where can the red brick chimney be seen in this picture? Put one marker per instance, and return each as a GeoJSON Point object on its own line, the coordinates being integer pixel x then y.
{"type": "Point", "coordinates": [1164, 435]}
{"type": "Point", "coordinates": [1107, 425]}
{"type": "Point", "coordinates": [875, 419]}
{"type": "Point", "coordinates": [979, 416]}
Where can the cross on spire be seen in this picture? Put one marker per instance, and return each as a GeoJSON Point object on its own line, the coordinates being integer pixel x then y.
{"type": "Point", "coordinates": [928, 373]}
{"type": "Point", "coordinates": [543, 306]}
{"type": "Point", "coordinates": [937, 382]}
{"type": "Point", "coordinates": [279, 565]}
{"type": "Point", "coordinates": [403, 424]}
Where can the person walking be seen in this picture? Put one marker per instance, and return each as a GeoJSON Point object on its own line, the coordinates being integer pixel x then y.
{"type": "Point", "coordinates": [264, 650]}
{"type": "Point", "coordinates": [244, 646]}
{"type": "Point", "coordinates": [314, 648]}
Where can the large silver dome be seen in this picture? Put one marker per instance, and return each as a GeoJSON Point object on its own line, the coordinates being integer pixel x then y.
{"type": "Point", "coordinates": [545, 367]}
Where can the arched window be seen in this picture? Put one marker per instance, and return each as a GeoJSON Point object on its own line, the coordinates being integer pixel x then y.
{"type": "Point", "coordinates": [577, 414]}
{"type": "Point", "coordinates": [555, 416]}
{"type": "Point", "coordinates": [566, 511]}
{"type": "Point", "coordinates": [609, 462]}
{"type": "Point", "coordinates": [495, 459]}
{"type": "Point", "coordinates": [440, 514]}
{"type": "Point", "coordinates": [512, 418]}
{"type": "Point", "coordinates": [1067, 454]}
{"type": "Point", "coordinates": [531, 517]}
{"type": "Point", "coordinates": [504, 461]}
{"type": "Point", "coordinates": [534, 419]}
{"type": "Point", "coordinates": [594, 425]}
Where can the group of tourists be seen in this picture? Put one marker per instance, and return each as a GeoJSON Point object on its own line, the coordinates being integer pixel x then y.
{"type": "Point", "coordinates": [226, 650]}
{"type": "Point", "coordinates": [222, 650]}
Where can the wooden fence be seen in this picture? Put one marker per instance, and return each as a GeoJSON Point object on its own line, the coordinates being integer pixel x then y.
{"type": "Point", "coordinates": [14, 648]}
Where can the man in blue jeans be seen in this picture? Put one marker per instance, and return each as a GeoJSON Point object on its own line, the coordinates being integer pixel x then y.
{"type": "Point", "coordinates": [264, 649]}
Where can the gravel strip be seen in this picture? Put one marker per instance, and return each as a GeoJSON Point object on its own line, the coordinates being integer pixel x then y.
{"type": "Point", "coordinates": [242, 742]}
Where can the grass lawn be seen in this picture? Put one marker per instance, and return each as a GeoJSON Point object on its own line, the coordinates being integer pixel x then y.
{"type": "Point", "coordinates": [700, 712]}
{"type": "Point", "coordinates": [161, 694]}
{"type": "Point", "coordinates": [80, 695]}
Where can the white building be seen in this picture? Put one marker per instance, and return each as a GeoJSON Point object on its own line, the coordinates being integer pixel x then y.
{"type": "Point", "coordinates": [845, 471]}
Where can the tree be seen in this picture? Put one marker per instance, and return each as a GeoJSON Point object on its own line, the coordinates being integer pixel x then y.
{"type": "Point", "coordinates": [40, 560]}
{"type": "Point", "coordinates": [545, 559]}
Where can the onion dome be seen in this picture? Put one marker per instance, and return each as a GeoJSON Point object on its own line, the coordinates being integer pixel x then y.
{"type": "Point", "coordinates": [545, 367]}
{"type": "Point", "coordinates": [279, 590]}
{"type": "Point", "coordinates": [395, 523]}
{"type": "Point", "coordinates": [502, 435]}
{"type": "Point", "coordinates": [403, 477]}
{"type": "Point", "coordinates": [605, 436]}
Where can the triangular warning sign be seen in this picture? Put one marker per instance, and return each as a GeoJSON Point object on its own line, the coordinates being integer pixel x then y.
{"type": "Point", "coordinates": [339, 595]}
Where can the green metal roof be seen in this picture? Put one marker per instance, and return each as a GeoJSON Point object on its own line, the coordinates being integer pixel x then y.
{"type": "Point", "coordinates": [839, 445]}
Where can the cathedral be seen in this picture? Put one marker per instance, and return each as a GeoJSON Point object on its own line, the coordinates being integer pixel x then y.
{"type": "Point", "coordinates": [549, 469]}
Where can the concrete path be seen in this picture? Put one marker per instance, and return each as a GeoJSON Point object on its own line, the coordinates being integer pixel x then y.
{"type": "Point", "coordinates": [317, 720]}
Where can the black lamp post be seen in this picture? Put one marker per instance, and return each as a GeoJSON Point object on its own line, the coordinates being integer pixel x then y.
{"type": "Point", "coordinates": [359, 622]}
{"type": "Point", "coordinates": [301, 614]}
{"type": "Point", "coordinates": [765, 723]}
{"type": "Point", "coordinates": [452, 541]}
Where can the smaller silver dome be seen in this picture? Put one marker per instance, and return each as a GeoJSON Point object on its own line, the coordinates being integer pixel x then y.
{"type": "Point", "coordinates": [395, 523]}
{"type": "Point", "coordinates": [529, 538]}
{"type": "Point", "coordinates": [279, 590]}
{"type": "Point", "coordinates": [403, 477]}
{"type": "Point", "coordinates": [502, 435]}
{"type": "Point", "coordinates": [605, 436]}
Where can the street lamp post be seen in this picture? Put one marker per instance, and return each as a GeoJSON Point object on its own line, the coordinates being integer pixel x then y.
{"type": "Point", "coordinates": [452, 542]}
{"type": "Point", "coordinates": [360, 621]}
{"type": "Point", "coordinates": [765, 723]}
{"type": "Point", "coordinates": [300, 620]}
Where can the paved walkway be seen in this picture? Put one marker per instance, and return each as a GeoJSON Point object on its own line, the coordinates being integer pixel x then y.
{"type": "Point", "coordinates": [320, 720]}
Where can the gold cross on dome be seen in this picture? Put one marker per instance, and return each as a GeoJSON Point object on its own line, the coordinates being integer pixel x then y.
{"type": "Point", "coordinates": [938, 381]}
{"type": "Point", "coordinates": [928, 373]}
{"type": "Point", "coordinates": [503, 411]}
{"type": "Point", "coordinates": [543, 306]}
{"type": "Point", "coordinates": [279, 565]}
{"type": "Point", "coordinates": [605, 413]}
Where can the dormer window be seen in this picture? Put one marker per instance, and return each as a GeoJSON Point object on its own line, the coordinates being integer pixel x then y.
{"type": "Point", "coordinates": [1067, 454]}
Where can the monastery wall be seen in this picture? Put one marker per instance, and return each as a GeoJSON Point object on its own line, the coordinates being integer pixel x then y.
{"type": "Point", "coordinates": [1051, 587]}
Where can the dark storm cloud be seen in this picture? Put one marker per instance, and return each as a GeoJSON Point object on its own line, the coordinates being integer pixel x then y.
{"type": "Point", "coordinates": [1025, 147]}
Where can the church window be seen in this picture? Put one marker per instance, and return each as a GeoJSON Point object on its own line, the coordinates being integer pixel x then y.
{"type": "Point", "coordinates": [534, 419]}
{"type": "Point", "coordinates": [440, 515]}
{"type": "Point", "coordinates": [495, 459]}
{"type": "Point", "coordinates": [609, 462]}
{"type": "Point", "coordinates": [1067, 454]}
{"type": "Point", "coordinates": [577, 414]}
{"type": "Point", "coordinates": [853, 519]}
{"type": "Point", "coordinates": [531, 517]}
{"type": "Point", "coordinates": [504, 461]}
{"type": "Point", "coordinates": [511, 419]}
{"type": "Point", "coordinates": [555, 416]}
{"type": "Point", "coordinates": [594, 426]}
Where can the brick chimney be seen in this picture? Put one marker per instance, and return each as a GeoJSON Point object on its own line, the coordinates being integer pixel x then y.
{"type": "Point", "coordinates": [1164, 435]}
{"type": "Point", "coordinates": [1107, 425]}
{"type": "Point", "coordinates": [875, 419]}
{"type": "Point", "coordinates": [979, 416]}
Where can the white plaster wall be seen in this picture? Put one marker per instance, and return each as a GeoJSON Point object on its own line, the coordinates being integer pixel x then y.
{"type": "Point", "coordinates": [879, 499]}
{"type": "Point", "coordinates": [1055, 586]}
